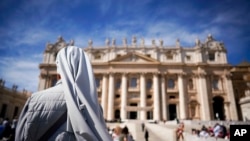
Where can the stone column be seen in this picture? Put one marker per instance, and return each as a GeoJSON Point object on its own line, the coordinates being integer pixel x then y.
{"type": "Point", "coordinates": [226, 107]}
{"type": "Point", "coordinates": [124, 97]}
{"type": "Point", "coordinates": [163, 96]}
{"type": "Point", "coordinates": [203, 95]}
{"type": "Point", "coordinates": [143, 96]}
{"type": "Point", "coordinates": [231, 97]}
{"type": "Point", "coordinates": [104, 95]}
{"type": "Point", "coordinates": [156, 97]}
{"type": "Point", "coordinates": [182, 96]}
{"type": "Point", "coordinates": [111, 97]}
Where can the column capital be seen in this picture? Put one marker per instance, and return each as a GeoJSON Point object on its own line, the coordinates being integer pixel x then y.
{"type": "Point", "coordinates": [143, 73]}
{"type": "Point", "coordinates": [201, 74]}
{"type": "Point", "coordinates": [163, 73]}
{"type": "Point", "coordinates": [182, 74]}
{"type": "Point", "coordinates": [124, 73]}
{"type": "Point", "coordinates": [105, 73]}
{"type": "Point", "coordinates": [156, 73]}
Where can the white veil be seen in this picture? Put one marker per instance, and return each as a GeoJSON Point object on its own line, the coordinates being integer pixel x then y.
{"type": "Point", "coordinates": [84, 112]}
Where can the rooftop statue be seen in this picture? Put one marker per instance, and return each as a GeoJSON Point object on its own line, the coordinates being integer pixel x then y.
{"type": "Point", "coordinates": [161, 42]}
{"type": "Point", "coordinates": [90, 43]}
{"type": "Point", "coordinates": [134, 41]}
{"type": "Point", "coordinates": [107, 42]}
{"type": "Point", "coordinates": [142, 42]}
{"type": "Point", "coordinates": [124, 41]}
{"type": "Point", "coordinates": [113, 42]}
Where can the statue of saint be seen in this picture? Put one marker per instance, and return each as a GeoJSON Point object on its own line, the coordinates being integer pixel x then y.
{"type": "Point", "coordinates": [90, 43]}
{"type": "Point", "coordinates": [72, 42]}
{"type": "Point", "coordinates": [197, 42]}
{"type": "Point", "coordinates": [124, 41]}
{"type": "Point", "coordinates": [134, 41]}
{"type": "Point", "coordinates": [178, 42]}
{"type": "Point", "coordinates": [142, 42]}
{"type": "Point", "coordinates": [113, 42]}
{"type": "Point", "coordinates": [107, 42]}
{"type": "Point", "coordinates": [161, 42]}
{"type": "Point", "coordinates": [153, 42]}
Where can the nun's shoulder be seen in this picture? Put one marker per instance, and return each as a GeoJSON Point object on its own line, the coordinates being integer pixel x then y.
{"type": "Point", "coordinates": [53, 93]}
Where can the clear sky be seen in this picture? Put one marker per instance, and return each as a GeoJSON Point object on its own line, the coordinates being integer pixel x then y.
{"type": "Point", "coordinates": [27, 25]}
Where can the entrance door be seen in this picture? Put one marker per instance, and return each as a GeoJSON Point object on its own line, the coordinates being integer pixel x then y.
{"type": "Point", "coordinates": [218, 107]}
{"type": "Point", "coordinates": [117, 114]}
{"type": "Point", "coordinates": [133, 114]}
{"type": "Point", "coordinates": [172, 111]}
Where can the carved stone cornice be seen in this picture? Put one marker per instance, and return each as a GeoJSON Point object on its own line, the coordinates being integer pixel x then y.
{"type": "Point", "coordinates": [200, 74]}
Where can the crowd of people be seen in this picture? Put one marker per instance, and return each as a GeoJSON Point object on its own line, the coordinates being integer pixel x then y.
{"type": "Point", "coordinates": [7, 129]}
{"type": "Point", "coordinates": [217, 131]}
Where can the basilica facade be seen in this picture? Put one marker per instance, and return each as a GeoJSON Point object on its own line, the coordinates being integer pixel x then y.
{"type": "Point", "coordinates": [156, 81]}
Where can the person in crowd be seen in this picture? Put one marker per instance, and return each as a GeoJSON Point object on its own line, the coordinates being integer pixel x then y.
{"type": "Point", "coordinates": [204, 132]}
{"type": "Point", "coordinates": [67, 111]}
{"type": "Point", "coordinates": [125, 135]}
{"type": "Point", "coordinates": [117, 133]}
{"type": "Point", "coordinates": [7, 132]}
{"type": "Point", "coordinates": [142, 126]}
{"type": "Point", "coordinates": [179, 131]}
{"type": "Point", "coordinates": [217, 130]}
{"type": "Point", "coordinates": [146, 135]}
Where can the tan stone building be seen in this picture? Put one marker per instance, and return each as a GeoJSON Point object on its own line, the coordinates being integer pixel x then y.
{"type": "Point", "coordinates": [11, 101]}
{"type": "Point", "coordinates": [241, 84]}
{"type": "Point", "coordinates": [156, 82]}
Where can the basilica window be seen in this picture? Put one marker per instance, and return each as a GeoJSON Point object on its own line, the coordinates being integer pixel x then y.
{"type": "Point", "coordinates": [97, 82]}
{"type": "Point", "coordinates": [118, 84]}
{"type": "Point", "coordinates": [170, 57]}
{"type": "Point", "coordinates": [149, 96]}
{"type": "Point", "coordinates": [148, 55]}
{"type": "Point", "coordinates": [117, 96]}
{"type": "Point", "coordinates": [211, 56]}
{"type": "Point", "coordinates": [53, 81]}
{"type": "Point", "coordinates": [171, 97]}
{"type": "Point", "coordinates": [188, 57]}
{"type": "Point", "coordinates": [149, 84]}
{"type": "Point", "coordinates": [215, 84]}
{"type": "Point", "coordinates": [118, 55]}
{"type": "Point", "coordinates": [133, 82]}
{"type": "Point", "coordinates": [171, 83]}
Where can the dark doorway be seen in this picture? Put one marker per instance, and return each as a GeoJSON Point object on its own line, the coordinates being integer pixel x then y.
{"type": "Point", "coordinates": [117, 114]}
{"type": "Point", "coordinates": [218, 107]}
{"type": "Point", "coordinates": [172, 111]}
{"type": "Point", "coordinates": [149, 115]}
{"type": "Point", "coordinates": [3, 110]}
{"type": "Point", "coordinates": [133, 114]}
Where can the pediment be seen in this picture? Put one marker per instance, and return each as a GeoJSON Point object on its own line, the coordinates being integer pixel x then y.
{"type": "Point", "coordinates": [133, 57]}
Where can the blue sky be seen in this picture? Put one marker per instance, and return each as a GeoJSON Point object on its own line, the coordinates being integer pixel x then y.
{"type": "Point", "coordinates": [27, 25]}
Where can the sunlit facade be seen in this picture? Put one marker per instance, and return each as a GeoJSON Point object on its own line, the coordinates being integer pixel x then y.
{"type": "Point", "coordinates": [156, 82]}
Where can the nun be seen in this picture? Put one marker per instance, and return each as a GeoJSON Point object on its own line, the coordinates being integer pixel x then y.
{"type": "Point", "coordinates": [68, 111]}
